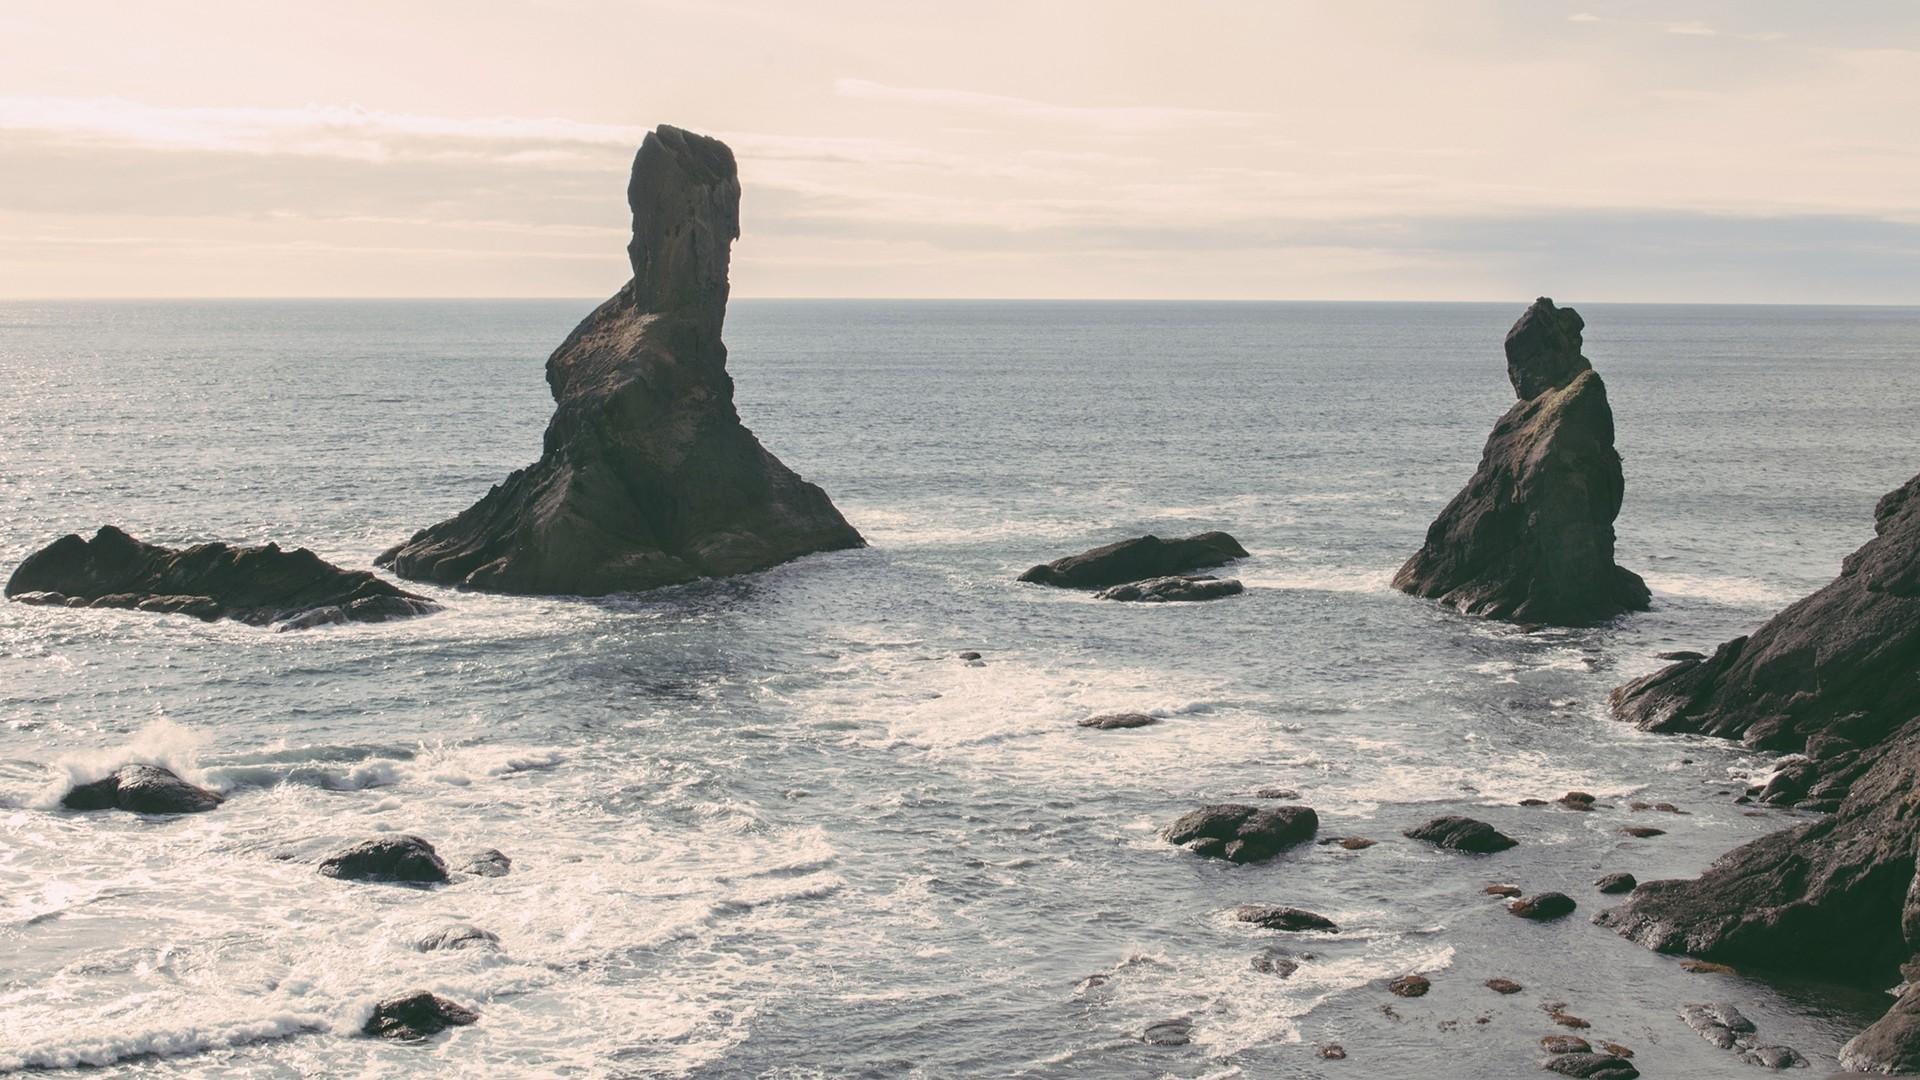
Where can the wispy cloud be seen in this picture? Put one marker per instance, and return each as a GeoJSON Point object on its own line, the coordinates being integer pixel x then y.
{"type": "Point", "coordinates": [1692, 28]}
{"type": "Point", "coordinates": [1104, 117]}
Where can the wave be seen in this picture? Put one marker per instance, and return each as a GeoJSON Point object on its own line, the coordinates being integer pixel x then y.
{"type": "Point", "coordinates": [102, 1050]}
{"type": "Point", "coordinates": [172, 746]}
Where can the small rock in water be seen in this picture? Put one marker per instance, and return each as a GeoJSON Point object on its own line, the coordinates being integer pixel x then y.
{"type": "Point", "coordinates": [1616, 883]}
{"type": "Point", "coordinates": [1410, 986]}
{"type": "Point", "coordinates": [1543, 907]}
{"type": "Point", "coordinates": [1616, 1049]}
{"type": "Point", "coordinates": [969, 655]}
{"type": "Point", "coordinates": [1137, 559]}
{"type": "Point", "coordinates": [416, 1016]}
{"type": "Point", "coordinates": [406, 859]}
{"type": "Point", "coordinates": [1176, 1032]}
{"type": "Point", "coordinates": [1557, 1012]}
{"type": "Point", "coordinates": [1333, 1052]}
{"type": "Point", "coordinates": [1592, 1066]}
{"type": "Point", "coordinates": [1773, 1057]}
{"type": "Point", "coordinates": [1704, 967]}
{"type": "Point", "coordinates": [1354, 843]}
{"type": "Point", "coordinates": [459, 936]}
{"type": "Point", "coordinates": [1242, 834]}
{"type": "Point", "coordinates": [1533, 802]}
{"type": "Point", "coordinates": [1718, 1024]}
{"type": "Point", "coordinates": [1462, 834]}
{"type": "Point", "coordinates": [1114, 721]}
{"type": "Point", "coordinates": [488, 863]}
{"type": "Point", "coordinates": [1276, 917]}
{"type": "Point", "coordinates": [1504, 986]}
{"type": "Point", "coordinates": [1565, 1044]}
{"type": "Point", "coordinates": [1577, 800]}
{"type": "Point", "coordinates": [1179, 589]}
{"type": "Point", "coordinates": [1276, 793]}
{"type": "Point", "coordinates": [1275, 962]}
{"type": "Point", "coordinates": [1500, 888]}
{"type": "Point", "coordinates": [141, 789]}
{"type": "Point", "coordinates": [1680, 654]}
{"type": "Point", "coordinates": [1642, 832]}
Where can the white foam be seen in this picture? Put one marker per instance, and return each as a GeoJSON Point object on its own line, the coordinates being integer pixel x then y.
{"type": "Point", "coordinates": [171, 746]}
{"type": "Point", "coordinates": [59, 1052]}
{"type": "Point", "coordinates": [1724, 589]}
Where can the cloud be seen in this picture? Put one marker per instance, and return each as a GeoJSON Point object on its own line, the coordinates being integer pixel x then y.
{"type": "Point", "coordinates": [1693, 28]}
{"type": "Point", "coordinates": [1122, 118]}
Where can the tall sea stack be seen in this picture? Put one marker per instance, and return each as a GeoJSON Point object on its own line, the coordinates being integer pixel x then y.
{"type": "Point", "coordinates": [1530, 538]}
{"type": "Point", "coordinates": [647, 477]}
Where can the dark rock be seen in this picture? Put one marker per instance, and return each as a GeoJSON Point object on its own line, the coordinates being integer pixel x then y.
{"type": "Point", "coordinates": [1773, 1057]}
{"type": "Point", "coordinates": [1680, 654]}
{"type": "Point", "coordinates": [1243, 834]}
{"type": "Point", "coordinates": [1616, 883]}
{"type": "Point", "coordinates": [1890, 1044]}
{"type": "Point", "coordinates": [1544, 907]}
{"type": "Point", "coordinates": [488, 863]}
{"type": "Point", "coordinates": [141, 789]}
{"type": "Point", "coordinates": [1349, 843]}
{"type": "Point", "coordinates": [647, 477]}
{"type": "Point", "coordinates": [1172, 590]}
{"type": "Point", "coordinates": [1592, 1066]}
{"type": "Point", "coordinates": [1533, 802]}
{"type": "Point", "coordinates": [259, 586]}
{"type": "Point", "coordinates": [1410, 986]}
{"type": "Point", "coordinates": [1137, 559]}
{"type": "Point", "coordinates": [416, 1016]}
{"type": "Point", "coordinates": [1565, 1044]}
{"type": "Point", "coordinates": [1530, 538]}
{"type": "Point", "coordinates": [457, 937]}
{"type": "Point", "coordinates": [1500, 888]}
{"type": "Point", "coordinates": [1462, 834]}
{"type": "Point", "coordinates": [1790, 784]}
{"type": "Point", "coordinates": [1721, 1024]}
{"type": "Point", "coordinates": [1504, 986]}
{"type": "Point", "coordinates": [1577, 800]}
{"type": "Point", "coordinates": [406, 859]}
{"type": "Point", "coordinates": [1112, 721]}
{"type": "Point", "coordinates": [1333, 1052]}
{"type": "Point", "coordinates": [1275, 917]}
{"type": "Point", "coordinates": [1642, 832]}
{"type": "Point", "coordinates": [1177, 1032]}
{"type": "Point", "coordinates": [969, 655]}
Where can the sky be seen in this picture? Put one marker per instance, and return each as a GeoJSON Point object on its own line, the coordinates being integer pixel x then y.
{"type": "Point", "coordinates": [1687, 150]}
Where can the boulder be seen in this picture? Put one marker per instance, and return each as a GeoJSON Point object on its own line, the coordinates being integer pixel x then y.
{"type": "Point", "coordinates": [1565, 1044]}
{"type": "Point", "coordinates": [488, 863]}
{"type": "Point", "coordinates": [458, 936]}
{"type": "Point", "coordinates": [1543, 907]}
{"type": "Point", "coordinates": [1174, 590]}
{"type": "Point", "coordinates": [1530, 538]}
{"type": "Point", "coordinates": [402, 859]}
{"type": "Point", "coordinates": [1616, 883]}
{"type": "Point", "coordinates": [1117, 721]}
{"type": "Point", "coordinates": [259, 586]}
{"type": "Point", "coordinates": [416, 1016]}
{"type": "Point", "coordinates": [647, 476]}
{"type": "Point", "coordinates": [1410, 986]}
{"type": "Point", "coordinates": [1275, 917]}
{"type": "Point", "coordinates": [1504, 986]}
{"type": "Point", "coordinates": [141, 789]}
{"type": "Point", "coordinates": [1137, 559]}
{"type": "Point", "coordinates": [1243, 834]}
{"type": "Point", "coordinates": [1592, 1066]}
{"type": "Point", "coordinates": [1890, 1044]}
{"type": "Point", "coordinates": [1458, 833]}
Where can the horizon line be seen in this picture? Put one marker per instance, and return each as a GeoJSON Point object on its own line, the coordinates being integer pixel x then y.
{"type": "Point", "coordinates": [95, 299]}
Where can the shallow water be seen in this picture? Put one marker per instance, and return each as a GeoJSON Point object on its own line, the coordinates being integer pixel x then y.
{"type": "Point", "coordinates": [773, 826]}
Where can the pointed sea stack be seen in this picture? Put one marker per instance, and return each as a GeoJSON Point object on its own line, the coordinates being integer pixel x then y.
{"type": "Point", "coordinates": [647, 477]}
{"type": "Point", "coordinates": [1530, 538]}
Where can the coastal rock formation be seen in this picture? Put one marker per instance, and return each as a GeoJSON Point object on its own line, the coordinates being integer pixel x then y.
{"type": "Point", "coordinates": [1544, 907]}
{"type": "Point", "coordinates": [1616, 883]}
{"type": "Point", "coordinates": [1592, 1066]}
{"type": "Point", "coordinates": [1177, 589]}
{"type": "Point", "coordinates": [647, 477]}
{"type": "Point", "coordinates": [1243, 834]}
{"type": "Point", "coordinates": [141, 789]}
{"type": "Point", "coordinates": [1891, 1044]}
{"type": "Point", "coordinates": [416, 1016]}
{"type": "Point", "coordinates": [406, 859]}
{"type": "Point", "coordinates": [1138, 559]}
{"type": "Point", "coordinates": [1277, 917]}
{"type": "Point", "coordinates": [259, 586]}
{"type": "Point", "coordinates": [1530, 538]}
{"type": "Point", "coordinates": [1458, 833]}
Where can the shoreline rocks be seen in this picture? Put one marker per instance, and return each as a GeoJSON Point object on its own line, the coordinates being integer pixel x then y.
{"type": "Point", "coordinates": [1137, 560]}
{"type": "Point", "coordinates": [1530, 538]}
{"type": "Point", "coordinates": [416, 1016]}
{"type": "Point", "coordinates": [1277, 917]}
{"type": "Point", "coordinates": [1178, 589]}
{"type": "Point", "coordinates": [1242, 834]}
{"type": "Point", "coordinates": [1543, 907]}
{"type": "Point", "coordinates": [141, 789]}
{"type": "Point", "coordinates": [396, 859]}
{"type": "Point", "coordinates": [1456, 833]}
{"type": "Point", "coordinates": [647, 477]}
{"type": "Point", "coordinates": [259, 586]}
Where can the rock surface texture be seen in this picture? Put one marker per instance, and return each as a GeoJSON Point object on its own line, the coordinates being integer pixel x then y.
{"type": "Point", "coordinates": [260, 586]}
{"type": "Point", "coordinates": [415, 1016]}
{"type": "Point", "coordinates": [647, 477]}
{"type": "Point", "coordinates": [1457, 833]}
{"type": "Point", "coordinates": [1242, 834]}
{"type": "Point", "coordinates": [141, 789]}
{"type": "Point", "coordinates": [1137, 560]}
{"type": "Point", "coordinates": [1530, 538]}
{"type": "Point", "coordinates": [405, 859]}
{"type": "Point", "coordinates": [1180, 588]}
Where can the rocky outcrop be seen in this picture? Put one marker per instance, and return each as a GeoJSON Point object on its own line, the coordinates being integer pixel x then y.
{"type": "Point", "coordinates": [141, 789]}
{"type": "Point", "coordinates": [1457, 833]}
{"type": "Point", "coordinates": [416, 1016]}
{"type": "Point", "coordinates": [647, 477]}
{"type": "Point", "coordinates": [1278, 917]}
{"type": "Point", "coordinates": [1591, 1066]}
{"type": "Point", "coordinates": [259, 586]}
{"type": "Point", "coordinates": [1530, 538]}
{"type": "Point", "coordinates": [403, 859]}
{"type": "Point", "coordinates": [1182, 588]}
{"type": "Point", "coordinates": [1544, 907]}
{"type": "Point", "coordinates": [1242, 834]}
{"type": "Point", "coordinates": [1891, 1044]}
{"type": "Point", "coordinates": [1616, 883]}
{"type": "Point", "coordinates": [1137, 560]}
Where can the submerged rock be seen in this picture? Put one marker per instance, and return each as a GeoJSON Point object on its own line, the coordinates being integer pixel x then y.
{"type": "Point", "coordinates": [1504, 986]}
{"type": "Point", "coordinates": [1183, 589]}
{"type": "Point", "coordinates": [1530, 538]}
{"type": "Point", "coordinates": [1590, 1066]}
{"type": "Point", "coordinates": [416, 1016]}
{"type": "Point", "coordinates": [1458, 833]}
{"type": "Point", "coordinates": [1116, 721]}
{"type": "Point", "coordinates": [1543, 907]}
{"type": "Point", "coordinates": [1243, 834]}
{"type": "Point", "coordinates": [460, 936]}
{"type": "Point", "coordinates": [1274, 961]}
{"type": "Point", "coordinates": [141, 789]}
{"type": "Point", "coordinates": [1137, 559]}
{"type": "Point", "coordinates": [1410, 986]}
{"type": "Point", "coordinates": [1276, 917]}
{"type": "Point", "coordinates": [488, 863]}
{"type": "Point", "coordinates": [647, 477]}
{"type": "Point", "coordinates": [1720, 1024]}
{"type": "Point", "coordinates": [405, 859]}
{"type": "Point", "coordinates": [259, 586]}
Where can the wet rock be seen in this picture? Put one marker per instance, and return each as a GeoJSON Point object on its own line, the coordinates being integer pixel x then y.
{"type": "Point", "coordinates": [416, 1016]}
{"type": "Point", "coordinates": [1790, 784]}
{"type": "Point", "coordinates": [1592, 1066]}
{"type": "Point", "coordinates": [1642, 832]}
{"type": "Point", "coordinates": [259, 586]}
{"type": "Point", "coordinates": [1502, 889]}
{"type": "Point", "coordinates": [1719, 1024]}
{"type": "Point", "coordinates": [1276, 917]}
{"type": "Point", "coordinates": [1276, 962]}
{"type": "Point", "coordinates": [1773, 1057]}
{"type": "Point", "coordinates": [1543, 907]}
{"type": "Point", "coordinates": [1138, 559]}
{"type": "Point", "coordinates": [1118, 721]}
{"type": "Point", "coordinates": [1176, 1032]}
{"type": "Point", "coordinates": [1565, 1044]}
{"type": "Point", "coordinates": [647, 477]}
{"type": "Point", "coordinates": [1680, 654]}
{"type": "Point", "coordinates": [488, 863]}
{"type": "Point", "coordinates": [1242, 834]}
{"type": "Point", "coordinates": [1533, 802]}
{"type": "Point", "coordinates": [1890, 1044]}
{"type": "Point", "coordinates": [1530, 538]}
{"type": "Point", "coordinates": [969, 655]}
{"type": "Point", "coordinates": [1557, 1012]}
{"type": "Point", "coordinates": [1349, 843]}
{"type": "Point", "coordinates": [1333, 1052]}
{"type": "Point", "coordinates": [1168, 590]}
{"type": "Point", "coordinates": [459, 936]}
{"type": "Point", "coordinates": [141, 789]}
{"type": "Point", "coordinates": [1616, 883]}
{"type": "Point", "coordinates": [1410, 986]}
{"type": "Point", "coordinates": [1457, 833]}
{"type": "Point", "coordinates": [1616, 1049]}
{"type": "Point", "coordinates": [401, 859]}
{"type": "Point", "coordinates": [1705, 967]}
{"type": "Point", "coordinates": [1276, 793]}
{"type": "Point", "coordinates": [1577, 800]}
{"type": "Point", "coordinates": [1504, 986]}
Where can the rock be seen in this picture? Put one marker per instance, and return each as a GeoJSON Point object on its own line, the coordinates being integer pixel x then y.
{"type": "Point", "coordinates": [1533, 802]}
{"type": "Point", "coordinates": [1137, 559]}
{"type": "Point", "coordinates": [1349, 843]}
{"type": "Point", "coordinates": [1790, 784]}
{"type": "Point", "coordinates": [1577, 800]}
{"type": "Point", "coordinates": [259, 586]}
{"type": "Point", "coordinates": [1773, 1057]}
{"type": "Point", "coordinates": [488, 863]}
{"type": "Point", "coordinates": [1462, 834]}
{"type": "Point", "coordinates": [969, 655]}
{"type": "Point", "coordinates": [647, 477]}
{"type": "Point", "coordinates": [1890, 1044]}
{"type": "Point", "coordinates": [1616, 883]}
{"type": "Point", "coordinates": [1616, 1049]}
{"type": "Point", "coordinates": [1502, 889]}
{"type": "Point", "coordinates": [1276, 962]}
{"type": "Point", "coordinates": [416, 1016]}
{"type": "Point", "coordinates": [1276, 793]}
{"type": "Point", "coordinates": [1410, 986]}
{"type": "Point", "coordinates": [1565, 1044]}
{"type": "Point", "coordinates": [1176, 1032]}
{"type": "Point", "coordinates": [1333, 1052]}
{"type": "Point", "coordinates": [1114, 721]}
{"type": "Point", "coordinates": [1705, 967]}
{"type": "Point", "coordinates": [1592, 1066]}
{"type": "Point", "coordinates": [1168, 590]}
{"type": "Point", "coordinates": [1720, 1025]}
{"type": "Point", "coordinates": [1274, 917]}
{"type": "Point", "coordinates": [460, 936]}
{"type": "Point", "coordinates": [1544, 907]}
{"type": "Point", "coordinates": [1680, 654]}
{"type": "Point", "coordinates": [406, 859]}
{"type": "Point", "coordinates": [141, 789]}
{"type": "Point", "coordinates": [1642, 832]}
{"type": "Point", "coordinates": [1557, 1012]}
{"type": "Point", "coordinates": [1504, 986]}
{"type": "Point", "coordinates": [1243, 834]}
{"type": "Point", "coordinates": [1530, 538]}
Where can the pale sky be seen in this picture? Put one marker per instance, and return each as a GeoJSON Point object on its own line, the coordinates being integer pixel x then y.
{"type": "Point", "coordinates": [1736, 150]}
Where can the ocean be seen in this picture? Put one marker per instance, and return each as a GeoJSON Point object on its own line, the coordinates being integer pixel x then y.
{"type": "Point", "coordinates": [773, 826]}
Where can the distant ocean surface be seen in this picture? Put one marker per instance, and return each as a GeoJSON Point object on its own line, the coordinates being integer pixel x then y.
{"type": "Point", "coordinates": [772, 826]}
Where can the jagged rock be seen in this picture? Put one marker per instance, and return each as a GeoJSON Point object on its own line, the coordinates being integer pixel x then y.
{"type": "Point", "coordinates": [1243, 834]}
{"type": "Point", "coordinates": [406, 859]}
{"type": "Point", "coordinates": [1180, 589]}
{"type": "Point", "coordinates": [1592, 1066]}
{"type": "Point", "coordinates": [416, 1016]}
{"type": "Point", "coordinates": [1530, 538]}
{"type": "Point", "coordinates": [1616, 883]}
{"type": "Point", "coordinates": [1137, 559]}
{"type": "Point", "coordinates": [647, 477]}
{"type": "Point", "coordinates": [1462, 834]}
{"type": "Point", "coordinates": [141, 789]}
{"type": "Point", "coordinates": [259, 586]}
{"type": "Point", "coordinates": [1276, 917]}
{"type": "Point", "coordinates": [1890, 1044]}
{"type": "Point", "coordinates": [1544, 907]}
{"type": "Point", "coordinates": [1113, 721]}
